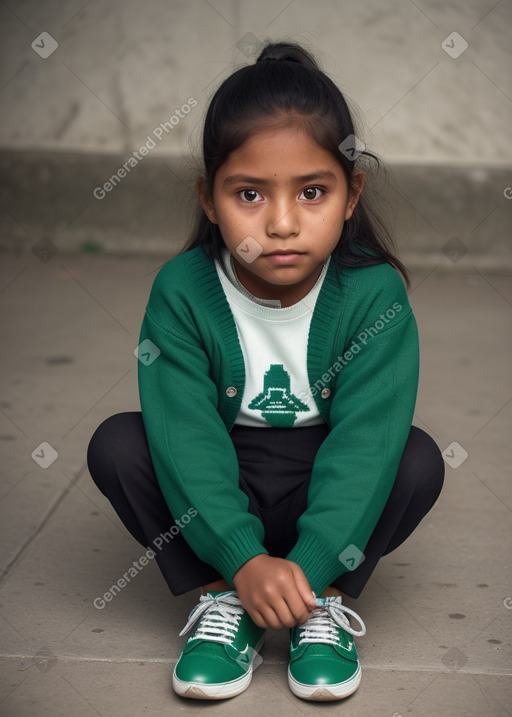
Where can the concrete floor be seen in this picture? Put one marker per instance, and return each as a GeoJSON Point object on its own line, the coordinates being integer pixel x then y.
{"type": "Point", "coordinates": [438, 610]}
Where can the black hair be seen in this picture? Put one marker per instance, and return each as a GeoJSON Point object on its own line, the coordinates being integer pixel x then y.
{"type": "Point", "coordinates": [285, 86]}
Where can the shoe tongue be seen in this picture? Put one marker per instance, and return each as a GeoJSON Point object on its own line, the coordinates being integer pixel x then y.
{"type": "Point", "coordinates": [327, 600]}
{"type": "Point", "coordinates": [215, 593]}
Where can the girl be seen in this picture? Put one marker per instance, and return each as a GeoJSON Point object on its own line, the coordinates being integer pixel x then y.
{"type": "Point", "coordinates": [274, 461]}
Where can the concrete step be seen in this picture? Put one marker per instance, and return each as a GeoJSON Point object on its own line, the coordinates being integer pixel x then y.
{"type": "Point", "coordinates": [451, 216]}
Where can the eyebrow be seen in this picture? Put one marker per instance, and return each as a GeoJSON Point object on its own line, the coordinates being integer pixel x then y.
{"type": "Point", "coordinates": [235, 178]}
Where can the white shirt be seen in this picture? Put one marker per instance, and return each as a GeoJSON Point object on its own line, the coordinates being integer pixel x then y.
{"type": "Point", "coordinates": [274, 345]}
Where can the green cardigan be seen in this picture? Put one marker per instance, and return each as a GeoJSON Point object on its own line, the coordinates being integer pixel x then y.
{"type": "Point", "coordinates": [363, 371]}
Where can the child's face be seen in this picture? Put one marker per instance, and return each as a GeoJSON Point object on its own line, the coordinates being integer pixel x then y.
{"type": "Point", "coordinates": [280, 192]}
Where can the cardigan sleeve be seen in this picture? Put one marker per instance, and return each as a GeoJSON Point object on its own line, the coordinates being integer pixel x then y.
{"type": "Point", "coordinates": [193, 456]}
{"type": "Point", "coordinates": [355, 467]}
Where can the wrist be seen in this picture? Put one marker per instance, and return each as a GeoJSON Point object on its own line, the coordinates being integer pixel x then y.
{"type": "Point", "coordinates": [253, 561]}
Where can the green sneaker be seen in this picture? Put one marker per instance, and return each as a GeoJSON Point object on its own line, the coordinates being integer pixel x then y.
{"type": "Point", "coordinates": [219, 658]}
{"type": "Point", "coordinates": [323, 659]}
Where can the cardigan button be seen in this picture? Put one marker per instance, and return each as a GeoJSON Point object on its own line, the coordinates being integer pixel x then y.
{"type": "Point", "coordinates": [326, 393]}
{"type": "Point", "coordinates": [231, 391]}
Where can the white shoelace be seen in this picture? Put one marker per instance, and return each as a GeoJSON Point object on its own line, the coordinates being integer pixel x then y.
{"type": "Point", "coordinates": [219, 617]}
{"type": "Point", "coordinates": [321, 627]}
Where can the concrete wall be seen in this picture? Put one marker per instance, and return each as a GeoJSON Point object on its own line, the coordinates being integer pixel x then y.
{"type": "Point", "coordinates": [123, 68]}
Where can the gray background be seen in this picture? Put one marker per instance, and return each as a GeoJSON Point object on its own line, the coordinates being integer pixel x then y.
{"type": "Point", "coordinates": [122, 68]}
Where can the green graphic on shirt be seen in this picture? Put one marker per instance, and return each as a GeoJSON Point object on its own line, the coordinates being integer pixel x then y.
{"type": "Point", "coordinates": [277, 404]}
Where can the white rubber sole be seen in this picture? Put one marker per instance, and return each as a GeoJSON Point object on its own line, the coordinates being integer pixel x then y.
{"type": "Point", "coordinates": [325, 693]}
{"type": "Point", "coordinates": [215, 691]}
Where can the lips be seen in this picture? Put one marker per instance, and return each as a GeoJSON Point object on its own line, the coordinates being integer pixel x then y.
{"type": "Point", "coordinates": [282, 253]}
{"type": "Point", "coordinates": [284, 258]}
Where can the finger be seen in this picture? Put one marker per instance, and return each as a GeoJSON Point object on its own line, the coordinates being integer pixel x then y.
{"type": "Point", "coordinates": [297, 606]}
{"type": "Point", "coordinates": [303, 587]}
{"type": "Point", "coordinates": [299, 610]}
{"type": "Point", "coordinates": [299, 613]}
{"type": "Point", "coordinates": [277, 614]}
{"type": "Point", "coordinates": [258, 618]}
{"type": "Point", "coordinates": [285, 611]}
{"type": "Point", "coordinates": [271, 619]}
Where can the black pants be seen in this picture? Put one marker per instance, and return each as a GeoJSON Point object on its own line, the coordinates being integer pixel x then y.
{"type": "Point", "coordinates": [275, 469]}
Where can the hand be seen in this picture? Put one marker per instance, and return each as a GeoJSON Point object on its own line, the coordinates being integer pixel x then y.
{"type": "Point", "coordinates": [274, 591]}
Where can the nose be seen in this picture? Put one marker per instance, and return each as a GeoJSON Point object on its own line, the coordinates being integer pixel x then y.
{"type": "Point", "coordinates": [282, 219]}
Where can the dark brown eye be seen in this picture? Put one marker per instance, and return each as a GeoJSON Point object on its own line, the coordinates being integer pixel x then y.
{"type": "Point", "coordinates": [311, 193]}
{"type": "Point", "coordinates": [249, 195]}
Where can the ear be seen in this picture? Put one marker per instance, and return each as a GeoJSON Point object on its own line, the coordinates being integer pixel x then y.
{"type": "Point", "coordinates": [357, 183]}
{"type": "Point", "coordinates": [205, 198]}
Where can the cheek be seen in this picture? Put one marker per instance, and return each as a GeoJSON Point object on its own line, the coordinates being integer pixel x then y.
{"type": "Point", "coordinates": [232, 223]}
{"type": "Point", "coordinates": [235, 217]}
{"type": "Point", "coordinates": [343, 213]}
{"type": "Point", "coordinates": [333, 219]}
{"type": "Point", "coordinates": [225, 214]}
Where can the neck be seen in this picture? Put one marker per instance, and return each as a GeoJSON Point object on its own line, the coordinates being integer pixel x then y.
{"type": "Point", "coordinates": [287, 295]}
